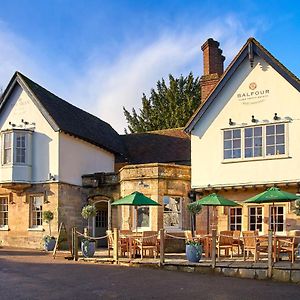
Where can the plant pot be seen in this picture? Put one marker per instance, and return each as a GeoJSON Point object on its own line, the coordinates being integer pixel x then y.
{"type": "Point", "coordinates": [49, 244]}
{"type": "Point", "coordinates": [88, 248]}
{"type": "Point", "coordinates": [193, 252]}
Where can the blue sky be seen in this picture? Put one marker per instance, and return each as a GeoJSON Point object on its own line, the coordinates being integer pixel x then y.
{"type": "Point", "coordinates": [102, 55]}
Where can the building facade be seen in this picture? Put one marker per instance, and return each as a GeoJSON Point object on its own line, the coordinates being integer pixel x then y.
{"type": "Point", "coordinates": [246, 131]}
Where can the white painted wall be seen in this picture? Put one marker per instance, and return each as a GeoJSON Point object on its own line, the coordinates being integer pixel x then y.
{"type": "Point", "coordinates": [44, 138]}
{"type": "Point", "coordinates": [208, 167]}
{"type": "Point", "coordinates": [77, 157]}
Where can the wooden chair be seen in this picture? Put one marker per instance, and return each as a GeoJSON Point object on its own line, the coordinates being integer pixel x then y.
{"type": "Point", "coordinates": [110, 241]}
{"type": "Point", "coordinates": [225, 242]}
{"type": "Point", "coordinates": [254, 244]}
{"type": "Point", "coordinates": [237, 242]}
{"type": "Point", "coordinates": [287, 245]}
{"type": "Point", "coordinates": [148, 241]}
{"type": "Point", "coordinates": [122, 243]}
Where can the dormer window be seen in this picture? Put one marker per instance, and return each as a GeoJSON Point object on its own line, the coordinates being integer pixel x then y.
{"type": "Point", "coordinates": [16, 147]}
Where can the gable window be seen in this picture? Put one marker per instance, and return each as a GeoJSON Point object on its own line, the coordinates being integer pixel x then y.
{"type": "Point", "coordinates": [275, 139]}
{"type": "Point", "coordinates": [3, 212]}
{"type": "Point", "coordinates": [232, 143]}
{"type": "Point", "coordinates": [7, 145]}
{"type": "Point", "coordinates": [277, 218]}
{"type": "Point", "coordinates": [235, 218]}
{"type": "Point", "coordinates": [36, 211]}
{"type": "Point", "coordinates": [255, 218]}
{"type": "Point", "coordinates": [172, 212]}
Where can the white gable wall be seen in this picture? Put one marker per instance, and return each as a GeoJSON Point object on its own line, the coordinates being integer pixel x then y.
{"type": "Point", "coordinates": [44, 139]}
{"type": "Point", "coordinates": [208, 167]}
{"type": "Point", "coordinates": [77, 158]}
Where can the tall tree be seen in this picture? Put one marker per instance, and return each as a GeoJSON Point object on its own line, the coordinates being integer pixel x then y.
{"type": "Point", "coordinates": [169, 106]}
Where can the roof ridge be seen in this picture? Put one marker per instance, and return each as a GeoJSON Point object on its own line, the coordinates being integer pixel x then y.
{"type": "Point", "coordinates": [153, 131]}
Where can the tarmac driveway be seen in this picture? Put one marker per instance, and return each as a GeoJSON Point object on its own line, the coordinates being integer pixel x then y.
{"type": "Point", "coordinates": [26, 274]}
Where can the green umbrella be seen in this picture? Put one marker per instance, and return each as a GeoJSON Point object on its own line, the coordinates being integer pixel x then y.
{"type": "Point", "coordinates": [214, 200]}
{"type": "Point", "coordinates": [272, 195]}
{"type": "Point", "coordinates": [135, 199]}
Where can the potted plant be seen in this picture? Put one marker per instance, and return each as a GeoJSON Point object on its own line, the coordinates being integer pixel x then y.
{"type": "Point", "coordinates": [193, 248]}
{"type": "Point", "coordinates": [49, 240]}
{"type": "Point", "coordinates": [193, 251]}
{"type": "Point", "coordinates": [88, 246]}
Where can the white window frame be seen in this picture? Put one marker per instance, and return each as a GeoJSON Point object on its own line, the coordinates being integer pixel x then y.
{"type": "Point", "coordinates": [16, 148]}
{"type": "Point", "coordinates": [179, 227]}
{"type": "Point", "coordinates": [264, 138]}
{"type": "Point", "coordinates": [32, 212]}
{"type": "Point", "coordinates": [232, 140]}
{"type": "Point", "coordinates": [4, 148]}
{"type": "Point", "coordinates": [262, 218]}
{"type": "Point", "coordinates": [4, 226]}
{"type": "Point", "coordinates": [276, 223]}
{"type": "Point", "coordinates": [235, 216]}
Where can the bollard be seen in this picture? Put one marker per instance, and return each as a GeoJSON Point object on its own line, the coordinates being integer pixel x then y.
{"type": "Point", "coordinates": [162, 247]}
{"type": "Point", "coordinates": [115, 246]}
{"type": "Point", "coordinates": [75, 257]}
{"type": "Point", "coordinates": [270, 250]}
{"type": "Point", "coordinates": [213, 250]}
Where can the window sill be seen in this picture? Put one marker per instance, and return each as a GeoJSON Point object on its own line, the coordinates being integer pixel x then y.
{"type": "Point", "coordinates": [241, 160]}
{"type": "Point", "coordinates": [4, 228]}
{"type": "Point", "coordinates": [38, 229]}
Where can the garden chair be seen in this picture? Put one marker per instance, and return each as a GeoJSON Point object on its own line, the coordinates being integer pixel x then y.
{"type": "Point", "coordinates": [122, 243]}
{"type": "Point", "coordinates": [287, 245]}
{"type": "Point", "coordinates": [254, 244]}
{"type": "Point", "coordinates": [148, 241]}
{"type": "Point", "coordinates": [225, 242]}
{"type": "Point", "coordinates": [237, 242]}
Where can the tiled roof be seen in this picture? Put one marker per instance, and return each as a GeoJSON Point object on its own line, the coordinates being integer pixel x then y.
{"type": "Point", "coordinates": [70, 119]}
{"type": "Point", "coordinates": [161, 146]}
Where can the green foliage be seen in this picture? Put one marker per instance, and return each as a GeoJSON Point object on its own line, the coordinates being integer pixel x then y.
{"type": "Point", "coordinates": [88, 211]}
{"type": "Point", "coordinates": [169, 106]}
{"type": "Point", "coordinates": [297, 207]}
{"type": "Point", "coordinates": [48, 216]}
{"type": "Point", "coordinates": [194, 208]}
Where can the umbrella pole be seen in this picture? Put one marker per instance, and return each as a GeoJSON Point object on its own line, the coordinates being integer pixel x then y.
{"type": "Point", "coordinates": [207, 218]}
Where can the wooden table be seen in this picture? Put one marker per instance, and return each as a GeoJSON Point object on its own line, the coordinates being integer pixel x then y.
{"type": "Point", "coordinates": [131, 237]}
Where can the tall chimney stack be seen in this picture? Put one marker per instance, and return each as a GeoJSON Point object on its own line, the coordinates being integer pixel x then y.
{"type": "Point", "coordinates": [213, 67]}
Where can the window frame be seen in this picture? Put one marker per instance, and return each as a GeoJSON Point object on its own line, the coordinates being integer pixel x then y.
{"type": "Point", "coordinates": [235, 216]}
{"type": "Point", "coordinates": [16, 148]}
{"type": "Point", "coordinates": [276, 218]}
{"type": "Point", "coordinates": [142, 228]}
{"type": "Point", "coordinates": [4, 149]}
{"type": "Point", "coordinates": [262, 218]}
{"type": "Point", "coordinates": [180, 213]}
{"type": "Point", "coordinates": [264, 145]}
{"type": "Point", "coordinates": [31, 211]}
{"type": "Point", "coordinates": [4, 226]}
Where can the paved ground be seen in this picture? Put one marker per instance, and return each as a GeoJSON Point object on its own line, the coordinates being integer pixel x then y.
{"type": "Point", "coordinates": [35, 275]}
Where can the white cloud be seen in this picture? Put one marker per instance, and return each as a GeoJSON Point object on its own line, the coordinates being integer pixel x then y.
{"type": "Point", "coordinates": [104, 88]}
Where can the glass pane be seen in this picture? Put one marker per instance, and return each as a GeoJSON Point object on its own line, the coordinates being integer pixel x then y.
{"type": "Point", "coordinates": [280, 209]}
{"type": "Point", "coordinates": [258, 131]}
{"type": "Point", "coordinates": [257, 151]}
{"type": "Point", "coordinates": [270, 150]}
{"type": "Point", "coordinates": [237, 153]}
{"type": "Point", "coordinates": [239, 211]}
{"type": "Point", "coordinates": [280, 227]}
{"type": "Point", "coordinates": [280, 149]}
{"type": "Point", "coordinates": [236, 133]}
{"type": "Point", "coordinates": [258, 141]}
{"type": "Point", "coordinates": [280, 139]}
{"type": "Point", "coordinates": [227, 154]}
{"type": "Point", "coordinates": [270, 129]}
{"type": "Point", "coordinates": [259, 210]}
{"type": "Point", "coordinates": [239, 220]}
{"type": "Point", "coordinates": [248, 132]}
{"type": "Point", "coordinates": [227, 134]}
{"type": "Point", "coordinates": [252, 210]}
{"type": "Point", "coordinates": [270, 140]}
{"type": "Point", "coordinates": [236, 143]}
{"type": "Point", "coordinates": [248, 152]}
{"type": "Point", "coordinates": [248, 142]}
{"type": "Point", "coordinates": [228, 144]}
{"type": "Point", "coordinates": [279, 128]}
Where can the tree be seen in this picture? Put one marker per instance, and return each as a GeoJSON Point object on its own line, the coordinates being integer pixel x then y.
{"type": "Point", "coordinates": [169, 106]}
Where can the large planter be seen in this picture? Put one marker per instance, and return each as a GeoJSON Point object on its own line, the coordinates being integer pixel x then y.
{"type": "Point", "coordinates": [193, 252]}
{"type": "Point", "coordinates": [49, 244]}
{"type": "Point", "coordinates": [88, 248]}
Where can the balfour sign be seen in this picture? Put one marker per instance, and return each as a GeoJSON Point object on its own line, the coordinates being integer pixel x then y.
{"type": "Point", "coordinates": [253, 95]}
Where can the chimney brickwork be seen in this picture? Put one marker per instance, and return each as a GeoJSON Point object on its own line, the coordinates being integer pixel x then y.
{"type": "Point", "coordinates": [213, 67]}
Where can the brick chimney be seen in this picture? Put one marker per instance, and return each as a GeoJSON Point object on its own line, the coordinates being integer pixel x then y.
{"type": "Point", "coordinates": [213, 67]}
